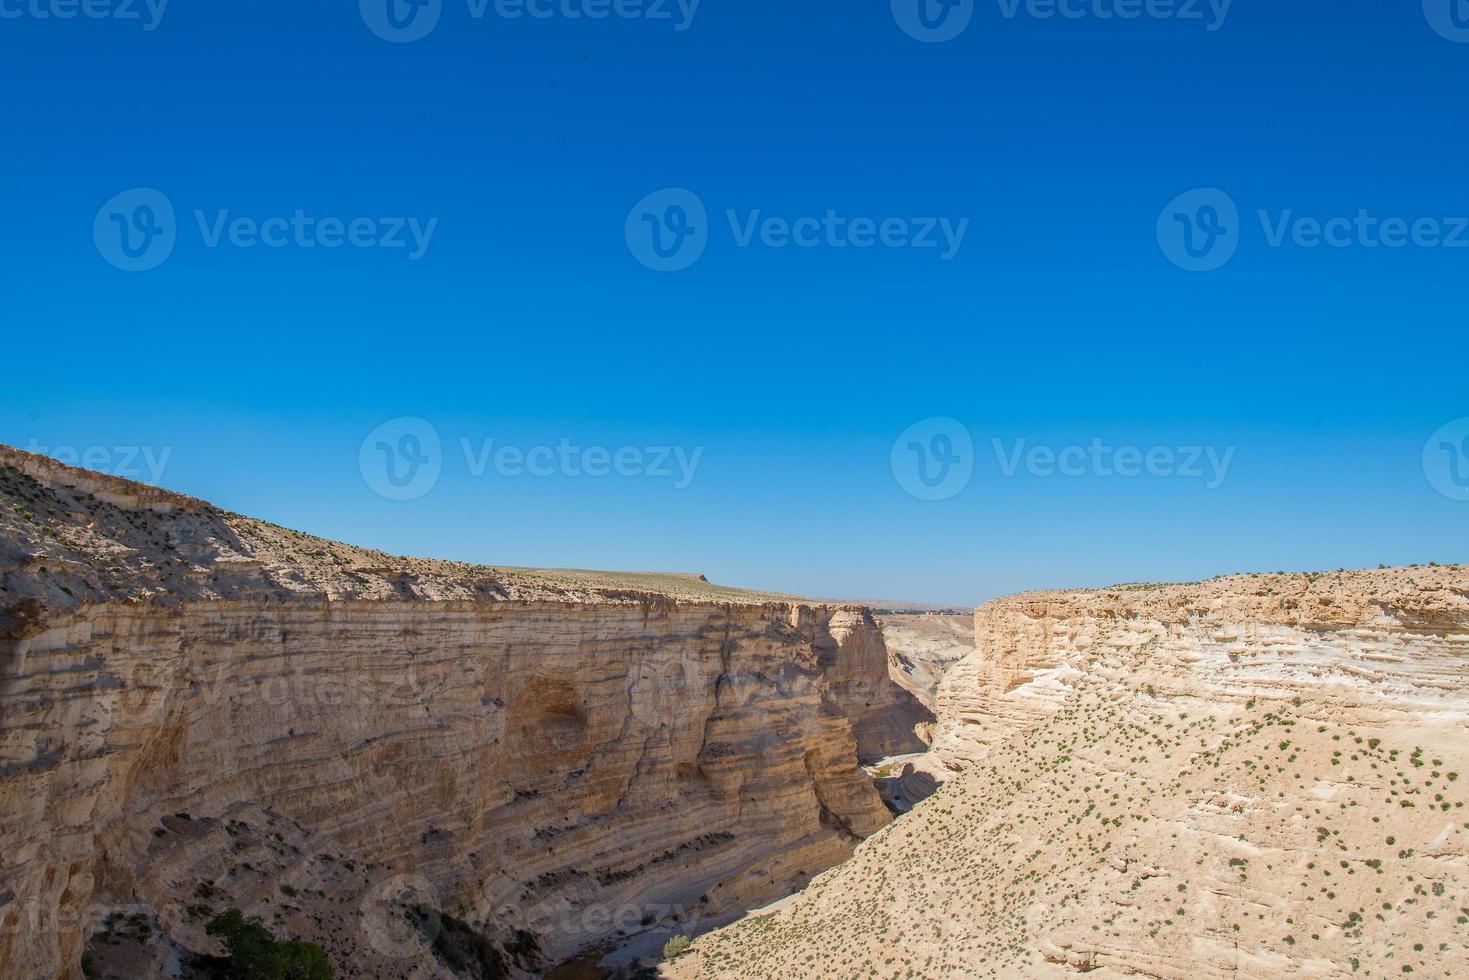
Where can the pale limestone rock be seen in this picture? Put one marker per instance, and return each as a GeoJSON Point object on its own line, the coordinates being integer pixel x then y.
{"type": "Point", "coordinates": [533, 752]}
{"type": "Point", "coordinates": [1255, 776]}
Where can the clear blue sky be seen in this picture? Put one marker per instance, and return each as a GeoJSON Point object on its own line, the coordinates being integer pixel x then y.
{"type": "Point", "coordinates": [529, 320]}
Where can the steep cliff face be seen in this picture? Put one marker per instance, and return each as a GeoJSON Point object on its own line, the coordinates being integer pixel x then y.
{"type": "Point", "coordinates": [923, 647]}
{"type": "Point", "coordinates": [862, 670]}
{"type": "Point", "coordinates": [1383, 642]}
{"type": "Point", "coordinates": [1258, 776]}
{"type": "Point", "coordinates": [198, 711]}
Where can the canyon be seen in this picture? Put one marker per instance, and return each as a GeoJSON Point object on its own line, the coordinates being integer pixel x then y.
{"type": "Point", "coordinates": [399, 759]}
{"type": "Point", "coordinates": [436, 769]}
{"type": "Point", "coordinates": [1257, 775]}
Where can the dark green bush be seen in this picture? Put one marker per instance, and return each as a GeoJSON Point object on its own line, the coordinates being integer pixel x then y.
{"type": "Point", "coordinates": [252, 954]}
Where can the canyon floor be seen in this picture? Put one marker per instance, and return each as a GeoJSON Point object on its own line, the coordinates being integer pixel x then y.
{"type": "Point", "coordinates": [435, 770]}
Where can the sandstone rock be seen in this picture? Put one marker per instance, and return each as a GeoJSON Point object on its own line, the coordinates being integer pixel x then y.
{"type": "Point", "coordinates": [200, 711]}
{"type": "Point", "coordinates": [1252, 776]}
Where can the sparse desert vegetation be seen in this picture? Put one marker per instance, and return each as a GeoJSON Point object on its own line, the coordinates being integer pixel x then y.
{"type": "Point", "coordinates": [1257, 776]}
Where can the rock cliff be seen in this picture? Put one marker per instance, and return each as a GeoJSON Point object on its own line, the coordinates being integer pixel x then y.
{"type": "Point", "coordinates": [429, 768]}
{"type": "Point", "coordinates": [1258, 775]}
{"type": "Point", "coordinates": [863, 672]}
{"type": "Point", "coordinates": [1384, 641]}
{"type": "Point", "coordinates": [923, 648]}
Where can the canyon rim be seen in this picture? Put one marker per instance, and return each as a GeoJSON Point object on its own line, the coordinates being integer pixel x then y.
{"type": "Point", "coordinates": [202, 712]}
{"type": "Point", "coordinates": [435, 769]}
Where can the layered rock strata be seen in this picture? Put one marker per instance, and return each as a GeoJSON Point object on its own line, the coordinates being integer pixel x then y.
{"type": "Point", "coordinates": [198, 710]}
{"type": "Point", "coordinates": [1259, 775]}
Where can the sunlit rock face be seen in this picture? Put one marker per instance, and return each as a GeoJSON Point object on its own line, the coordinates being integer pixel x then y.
{"type": "Point", "coordinates": [199, 711]}
{"type": "Point", "coordinates": [1387, 641]}
{"type": "Point", "coordinates": [1258, 775]}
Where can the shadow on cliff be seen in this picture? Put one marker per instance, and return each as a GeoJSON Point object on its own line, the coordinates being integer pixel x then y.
{"type": "Point", "coordinates": [893, 730]}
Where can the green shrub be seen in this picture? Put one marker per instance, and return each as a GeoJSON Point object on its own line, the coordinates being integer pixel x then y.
{"type": "Point", "coordinates": [675, 946]}
{"type": "Point", "coordinates": [251, 953]}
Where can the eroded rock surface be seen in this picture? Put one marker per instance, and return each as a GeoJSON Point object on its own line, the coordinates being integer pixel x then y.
{"type": "Point", "coordinates": [200, 711]}
{"type": "Point", "coordinates": [1259, 775]}
{"type": "Point", "coordinates": [923, 647]}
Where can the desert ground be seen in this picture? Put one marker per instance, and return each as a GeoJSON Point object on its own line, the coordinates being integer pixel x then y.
{"type": "Point", "coordinates": [437, 769]}
{"type": "Point", "coordinates": [1260, 775]}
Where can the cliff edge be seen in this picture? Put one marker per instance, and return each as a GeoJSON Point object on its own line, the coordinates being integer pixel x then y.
{"type": "Point", "coordinates": [429, 768]}
{"type": "Point", "coordinates": [1258, 775]}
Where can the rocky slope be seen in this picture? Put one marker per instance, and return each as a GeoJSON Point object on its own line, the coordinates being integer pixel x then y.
{"type": "Point", "coordinates": [923, 647]}
{"type": "Point", "coordinates": [429, 768]}
{"type": "Point", "coordinates": [1253, 776]}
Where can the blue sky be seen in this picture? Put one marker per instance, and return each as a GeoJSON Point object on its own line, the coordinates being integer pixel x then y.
{"type": "Point", "coordinates": [525, 145]}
